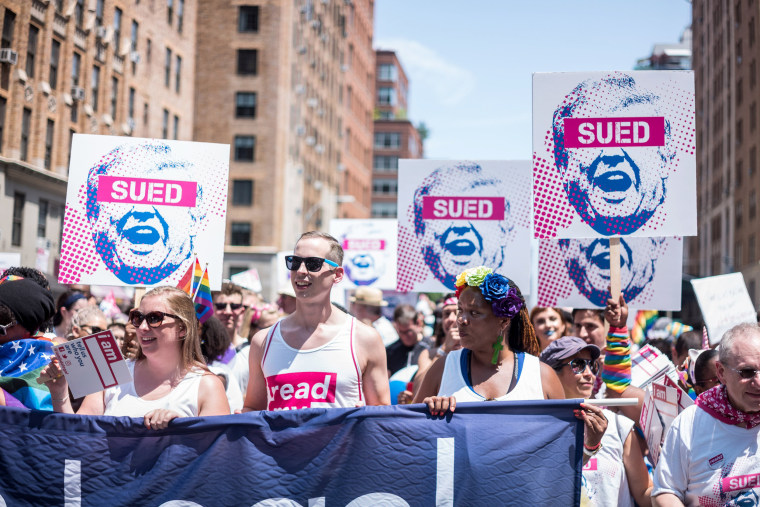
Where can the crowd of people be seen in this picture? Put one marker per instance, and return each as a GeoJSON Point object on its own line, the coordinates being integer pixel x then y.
{"type": "Point", "coordinates": [480, 343]}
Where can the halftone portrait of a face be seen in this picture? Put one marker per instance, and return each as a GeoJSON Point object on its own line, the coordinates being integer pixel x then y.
{"type": "Point", "coordinates": [462, 239]}
{"type": "Point", "coordinates": [615, 186]}
{"type": "Point", "coordinates": [146, 241]}
{"type": "Point", "coordinates": [364, 249]}
{"type": "Point", "coordinates": [588, 265]}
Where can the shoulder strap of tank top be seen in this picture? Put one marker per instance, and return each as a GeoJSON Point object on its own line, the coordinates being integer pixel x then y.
{"type": "Point", "coordinates": [353, 357]}
{"type": "Point", "coordinates": [270, 337]}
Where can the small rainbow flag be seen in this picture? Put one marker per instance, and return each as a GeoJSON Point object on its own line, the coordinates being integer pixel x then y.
{"type": "Point", "coordinates": [644, 320]}
{"type": "Point", "coordinates": [189, 281]}
{"type": "Point", "coordinates": [198, 274]}
{"type": "Point", "coordinates": [203, 306]}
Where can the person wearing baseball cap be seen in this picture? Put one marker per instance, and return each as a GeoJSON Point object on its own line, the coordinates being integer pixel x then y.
{"type": "Point", "coordinates": [618, 475]}
{"type": "Point", "coordinates": [367, 305]}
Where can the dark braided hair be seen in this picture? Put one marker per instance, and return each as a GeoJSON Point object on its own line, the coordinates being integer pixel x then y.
{"type": "Point", "coordinates": [521, 336]}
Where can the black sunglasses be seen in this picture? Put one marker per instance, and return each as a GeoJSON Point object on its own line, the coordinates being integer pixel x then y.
{"type": "Point", "coordinates": [154, 318]}
{"type": "Point", "coordinates": [4, 327]}
{"type": "Point", "coordinates": [233, 306]}
{"type": "Point", "coordinates": [746, 373]}
{"type": "Point", "coordinates": [579, 365]}
{"type": "Point", "coordinates": [94, 329]}
{"type": "Point", "coordinates": [313, 264]}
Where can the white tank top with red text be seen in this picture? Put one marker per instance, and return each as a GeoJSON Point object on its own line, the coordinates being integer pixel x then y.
{"type": "Point", "coordinates": [325, 376]}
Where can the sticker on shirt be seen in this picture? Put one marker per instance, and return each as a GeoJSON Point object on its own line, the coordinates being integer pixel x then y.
{"type": "Point", "coordinates": [590, 466]}
{"type": "Point", "coordinates": [289, 391]}
{"type": "Point", "coordinates": [716, 461]}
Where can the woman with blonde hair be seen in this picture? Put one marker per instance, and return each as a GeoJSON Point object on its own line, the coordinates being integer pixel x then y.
{"type": "Point", "coordinates": [170, 377]}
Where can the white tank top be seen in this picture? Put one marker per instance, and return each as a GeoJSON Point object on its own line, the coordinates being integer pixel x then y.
{"type": "Point", "coordinates": [122, 400]}
{"type": "Point", "coordinates": [326, 376]}
{"type": "Point", "coordinates": [455, 380]}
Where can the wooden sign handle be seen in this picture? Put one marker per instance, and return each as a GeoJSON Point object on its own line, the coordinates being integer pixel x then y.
{"type": "Point", "coordinates": [615, 268]}
{"type": "Point", "coordinates": [139, 293]}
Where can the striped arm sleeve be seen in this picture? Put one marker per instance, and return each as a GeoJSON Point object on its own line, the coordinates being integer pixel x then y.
{"type": "Point", "coordinates": [617, 360]}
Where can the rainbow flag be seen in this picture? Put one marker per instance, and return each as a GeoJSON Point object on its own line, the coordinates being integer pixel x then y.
{"type": "Point", "coordinates": [644, 320]}
{"type": "Point", "coordinates": [186, 283]}
{"type": "Point", "coordinates": [198, 274]}
{"type": "Point", "coordinates": [21, 362]}
{"type": "Point", "coordinates": [203, 306]}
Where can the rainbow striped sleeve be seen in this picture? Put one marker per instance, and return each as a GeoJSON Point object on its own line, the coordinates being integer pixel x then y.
{"type": "Point", "coordinates": [617, 360]}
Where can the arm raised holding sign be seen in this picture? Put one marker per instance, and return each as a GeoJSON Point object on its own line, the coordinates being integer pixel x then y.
{"type": "Point", "coordinates": [170, 378]}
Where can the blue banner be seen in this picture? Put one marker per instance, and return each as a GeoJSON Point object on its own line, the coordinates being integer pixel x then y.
{"type": "Point", "coordinates": [496, 453]}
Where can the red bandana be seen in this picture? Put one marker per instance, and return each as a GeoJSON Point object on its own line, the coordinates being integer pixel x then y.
{"type": "Point", "coordinates": [715, 402]}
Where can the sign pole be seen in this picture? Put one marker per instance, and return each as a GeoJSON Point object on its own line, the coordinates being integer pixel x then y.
{"type": "Point", "coordinates": [615, 268]}
{"type": "Point", "coordinates": [139, 293]}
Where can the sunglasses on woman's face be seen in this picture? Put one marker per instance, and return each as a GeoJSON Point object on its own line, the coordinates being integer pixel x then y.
{"type": "Point", "coordinates": [154, 318]}
{"type": "Point", "coordinates": [313, 264]}
{"type": "Point", "coordinates": [579, 365]}
{"type": "Point", "coordinates": [5, 327]}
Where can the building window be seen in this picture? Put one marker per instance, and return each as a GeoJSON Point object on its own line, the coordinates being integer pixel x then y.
{"type": "Point", "coordinates": [240, 234]}
{"type": "Point", "coordinates": [176, 127]}
{"type": "Point", "coordinates": [244, 148]}
{"type": "Point", "coordinates": [752, 161]}
{"type": "Point", "coordinates": [180, 15]}
{"type": "Point", "coordinates": [99, 5]}
{"type": "Point", "coordinates": [131, 105]}
{"type": "Point", "coordinates": [751, 31]}
{"type": "Point", "coordinates": [79, 13]}
{"type": "Point", "coordinates": [55, 56]}
{"type": "Point", "coordinates": [242, 192]}
{"type": "Point", "coordinates": [247, 60]}
{"type": "Point", "coordinates": [177, 72]}
{"type": "Point", "coordinates": [245, 105]}
{"type": "Point", "coordinates": [738, 214]}
{"type": "Point", "coordinates": [752, 74]}
{"type": "Point", "coordinates": [2, 121]}
{"type": "Point", "coordinates": [385, 164]}
{"type": "Point", "coordinates": [76, 65]}
{"type": "Point", "coordinates": [752, 117]}
{"type": "Point", "coordinates": [752, 205]}
{"type": "Point", "coordinates": [387, 72]}
{"type": "Point", "coordinates": [95, 86]}
{"type": "Point", "coordinates": [738, 261]}
{"type": "Point", "coordinates": [168, 67]}
{"type": "Point", "coordinates": [114, 96]}
{"type": "Point", "coordinates": [248, 18]}
{"type": "Point", "coordinates": [386, 115]}
{"type": "Point", "coordinates": [9, 22]}
{"type": "Point", "coordinates": [42, 213]}
{"type": "Point", "coordinates": [31, 50]}
{"type": "Point", "coordinates": [146, 116]}
{"type": "Point", "coordinates": [26, 120]}
{"type": "Point", "coordinates": [117, 14]}
{"type": "Point", "coordinates": [388, 140]}
{"type": "Point", "coordinates": [169, 11]}
{"type": "Point", "coordinates": [384, 210]}
{"type": "Point", "coordinates": [148, 50]}
{"type": "Point", "coordinates": [386, 96]}
{"type": "Point", "coordinates": [165, 125]}
{"type": "Point", "coordinates": [49, 132]}
{"type": "Point", "coordinates": [19, 200]}
{"type": "Point", "coordinates": [133, 36]}
{"type": "Point", "coordinates": [385, 186]}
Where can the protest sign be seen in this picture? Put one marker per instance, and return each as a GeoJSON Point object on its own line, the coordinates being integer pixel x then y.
{"type": "Point", "coordinates": [577, 272]}
{"type": "Point", "coordinates": [92, 363]}
{"type": "Point", "coordinates": [248, 279]}
{"type": "Point", "coordinates": [614, 154]}
{"type": "Point", "coordinates": [663, 401]}
{"type": "Point", "coordinates": [648, 365]}
{"type": "Point", "coordinates": [139, 211]}
{"type": "Point", "coordinates": [480, 455]}
{"type": "Point", "coordinates": [724, 302]}
{"type": "Point", "coordinates": [454, 215]}
{"type": "Point", "coordinates": [369, 252]}
{"type": "Point", "coordinates": [9, 259]}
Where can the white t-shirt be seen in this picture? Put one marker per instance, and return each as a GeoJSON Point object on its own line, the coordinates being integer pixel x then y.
{"type": "Point", "coordinates": [707, 462]}
{"type": "Point", "coordinates": [604, 479]}
{"type": "Point", "coordinates": [232, 386]}
{"type": "Point", "coordinates": [386, 330]}
{"type": "Point", "coordinates": [240, 369]}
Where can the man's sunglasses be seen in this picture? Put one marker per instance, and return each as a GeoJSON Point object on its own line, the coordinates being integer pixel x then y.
{"type": "Point", "coordinates": [579, 365]}
{"type": "Point", "coordinates": [313, 264]}
{"type": "Point", "coordinates": [154, 319]}
{"type": "Point", "coordinates": [746, 373]}
{"type": "Point", "coordinates": [233, 306]}
{"type": "Point", "coordinates": [4, 327]}
{"type": "Point", "coordinates": [94, 329]}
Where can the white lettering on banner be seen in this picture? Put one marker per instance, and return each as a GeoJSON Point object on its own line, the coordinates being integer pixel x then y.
{"type": "Point", "coordinates": [444, 487]}
{"type": "Point", "coordinates": [155, 190]}
{"type": "Point", "coordinates": [108, 350]}
{"type": "Point", "coordinates": [468, 208]}
{"type": "Point", "coordinates": [626, 132]}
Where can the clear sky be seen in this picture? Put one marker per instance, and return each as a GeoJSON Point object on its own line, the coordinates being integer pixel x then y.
{"type": "Point", "coordinates": [470, 62]}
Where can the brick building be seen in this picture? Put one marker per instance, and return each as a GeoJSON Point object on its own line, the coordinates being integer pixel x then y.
{"type": "Point", "coordinates": [115, 67]}
{"type": "Point", "coordinates": [725, 58]}
{"type": "Point", "coordinates": [395, 136]}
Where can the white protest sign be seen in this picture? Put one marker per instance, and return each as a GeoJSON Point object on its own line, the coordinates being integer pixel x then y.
{"type": "Point", "coordinates": [369, 251]}
{"type": "Point", "coordinates": [724, 302]}
{"type": "Point", "coordinates": [248, 279]}
{"type": "Point", "coordinates": [648, 365]}
{"type": "Point", "coordinates": [92, 363]}
{"type": "Point", "coordinates": [9, 259]}
{"type": "Point", "coordinates": [576, 272]}
{"type": "Point", "coordinates": [455, 215]}
{"type": "Point", "coordinates": [614, 154]}
{"type": "Point", "coordinates": [139, 211]}
{"type": "Point", "coordinates": [663, 401]}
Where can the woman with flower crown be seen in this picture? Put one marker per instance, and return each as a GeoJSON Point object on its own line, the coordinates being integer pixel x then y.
{"type": "Point", "coordinates": [497, 360]}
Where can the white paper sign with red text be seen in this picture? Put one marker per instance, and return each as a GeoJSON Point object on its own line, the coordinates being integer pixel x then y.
{"type": "Point", "coordinates": [92, 364]}
{"type": "Point", "coordinates": [369, 251]}
{"type": "Point", "coordinates": [455, 215]}
{"type": "Point", "coordinates": [139, 211]}
{"type": "Point", "coordinates": [614, 154]}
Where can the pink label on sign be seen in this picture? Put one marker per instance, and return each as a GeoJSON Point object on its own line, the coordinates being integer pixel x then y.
{"type": "Point", "coordinates": [590, 466]}
{"type": "Point", "coordinates": [614, 132]}
{"type": "Point", "coordinates": [147, 191]}
{"type": "Point", "coordinates": [363, 244]}
{"type": "Point", "coordinates": [462, 208]}
{"type": "Point", "coordinates": [741, 482]}
{"type": "Point", "coordinates": [288, 391]}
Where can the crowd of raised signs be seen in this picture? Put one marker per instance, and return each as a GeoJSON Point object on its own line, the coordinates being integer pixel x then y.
{"type": "Point", "coordinates": [710, 446]}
